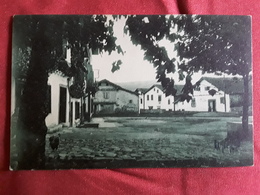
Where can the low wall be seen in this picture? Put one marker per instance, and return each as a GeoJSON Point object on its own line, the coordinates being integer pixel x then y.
{"type": "Point", "coordinates": [153, 111]}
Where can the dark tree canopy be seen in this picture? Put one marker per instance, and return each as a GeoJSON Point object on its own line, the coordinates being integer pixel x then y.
{"type": "Point", "coordinates": [216, 43]}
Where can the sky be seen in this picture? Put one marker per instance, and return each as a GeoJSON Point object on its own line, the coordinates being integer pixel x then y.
{"type": "Point", "coordinates": [134, 67]}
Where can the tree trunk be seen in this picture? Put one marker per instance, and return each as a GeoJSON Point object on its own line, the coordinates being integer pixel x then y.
{"type": "Point", "coordinates": [245, 129]}
{"type": "Point", "coordinates": [31, 128]}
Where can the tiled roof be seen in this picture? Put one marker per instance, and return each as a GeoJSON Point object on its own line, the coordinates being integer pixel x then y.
{"type": "Point", "coordinates": [143, 90]}
{"type": "Point", "coordinates": [158, 86]}
{"type": "Point", "coordinates": [116, 86]}
{"type": "Point", "coordinates": [230, 85]}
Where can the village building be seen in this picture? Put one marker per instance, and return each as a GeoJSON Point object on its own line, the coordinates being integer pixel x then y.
{"type": "Point", "coordinates": [214, 94]}
{"type": "Point", "coordinates": [111, 98]}
{"type": "Point", "coordinates": [234, 87]}
{"type": "Point", "coordinates": [63, 109]}
{"type": "Point", "coordinates": [206, 98]}
{"type": "Point", "coordinates": [154, 99]}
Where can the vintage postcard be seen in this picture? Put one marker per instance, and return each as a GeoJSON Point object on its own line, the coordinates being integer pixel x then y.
{"type": "Point", "coordinates": [124, 91]}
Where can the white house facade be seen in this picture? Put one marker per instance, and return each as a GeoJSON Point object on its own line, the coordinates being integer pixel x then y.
{"type": "Point", "coordinates": [63, 109]}
{"type": "Point", "coordinates": [203, 101]}
{"type": "Point", "coordinates": [212, 95]}
{"type": "Point", "coordinates": [154, 98]}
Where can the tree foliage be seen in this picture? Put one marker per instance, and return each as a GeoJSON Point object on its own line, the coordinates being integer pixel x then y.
{"type": "Point", "coordinates": [203, 43]}
{"type": "Point", "coordinates": [147, 31]}
{"type": "Point", "coordinates": [216, 43]}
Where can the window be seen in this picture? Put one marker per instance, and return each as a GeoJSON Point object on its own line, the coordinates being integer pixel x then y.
{"type": "Point", "coordinates": [151, 97]}
{"type": "Point", "coordinates": [147, 97]}
{"type": "Point", "coordinates": [150, 107]}
{"type": "Point", "coordinates": [141, 100]}
{"type": "Point", "coordinates": [157, 91]}
{"type": "Point", "coordinates": [207, 88]}
{"type": "Point", "coordinates": [158, 107]}
{"type": "Point", "coordinates": [222, 100]}
{"type": "Point", "coordinates": [76, 110]}
{"type": "Point", "coordinates": [159, 98]}
{"type": "Point", "coordinates": [193, 102]}
{"type": "Point", "coordinates": [169, 101]}
{"type": "Point", "coordinates": [130, 101]}
{"type": "Point", "coordinates": [106, 95]}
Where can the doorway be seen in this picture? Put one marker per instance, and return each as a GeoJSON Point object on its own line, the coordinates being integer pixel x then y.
{"type": "Point", "coordinates": [71, 114]}
{"type": "Point", "coordinates": [212, 106]}
{"type": "Point", "coordinates": [63, 105]}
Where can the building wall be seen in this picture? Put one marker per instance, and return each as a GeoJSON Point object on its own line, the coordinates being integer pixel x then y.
{"type": "Point", "coordinates": [153, 102]}
{"type": "Point", "coordinates": [202, 104]}
{"type": "Point", "coordinates": [108, 99]}
{"type": "Point", "coordinates": [141, 99]}
{"type": "Point", "coordinates": [106, 94]}
{"type": "Point", "coordinates": [75, 119]}
{"type": "Point", "coordinates": [126, 101]}
{"type": "Point", "coordinates": [202, 97]}
{"type": "Point", "coordinates": [56, 81]}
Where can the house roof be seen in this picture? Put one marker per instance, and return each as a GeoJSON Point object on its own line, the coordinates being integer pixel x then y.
{"type": "Point", "coordinates": [155, 85]}
{"type": "Point", "coordinates": [158, 86]}
{"type": "Point", "coordinates": [117, 86]}
{"type": "Point", "coordinates": [230, 85]}
{"type": "Point", "coordinates": [143, 90]}
{"type": "Point", "coordinates": [177, 87]}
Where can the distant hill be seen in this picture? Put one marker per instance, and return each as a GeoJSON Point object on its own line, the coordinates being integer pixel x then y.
{"type": "Point", "coordinates": [132, 86]}
{"type": "Point", "coordinates": [231, 85]}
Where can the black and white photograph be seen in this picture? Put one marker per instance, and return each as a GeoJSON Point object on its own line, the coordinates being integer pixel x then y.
{"type": "Point", "coordinates": [131, 91]}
